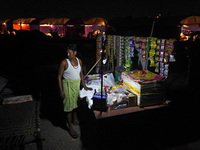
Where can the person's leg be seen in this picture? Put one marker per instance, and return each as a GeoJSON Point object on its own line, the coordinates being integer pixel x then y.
{"type": "Point", "coordinates": [75, 118]}
{"type": "Point", "coordinates": [69, 120]}
{"type": "Point", "coordinates": [72, 132]}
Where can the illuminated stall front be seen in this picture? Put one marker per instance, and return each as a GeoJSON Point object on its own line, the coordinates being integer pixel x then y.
{"type": "Point", "coordinates": [95, 26]}
{"type": "Point", "coordinates": [53, 25]}
{"type": "Point", "coordinates": [22, 23]}
{"type": "Point", "coordinates": [75, 27]}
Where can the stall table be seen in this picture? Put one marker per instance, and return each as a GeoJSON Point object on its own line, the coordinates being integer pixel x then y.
{"type": "Point", "coordinates": [117, 112]}
{"type": "Point", "coordinates": [147, 90]}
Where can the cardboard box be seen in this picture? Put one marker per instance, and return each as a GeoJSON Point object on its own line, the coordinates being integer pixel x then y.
{"type": "Point", "coordinates": [132, 100]}
{"type": "Point", "coordinates": [148, 92]}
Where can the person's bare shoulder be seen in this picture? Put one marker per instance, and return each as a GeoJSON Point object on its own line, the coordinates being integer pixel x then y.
{"type": "Point", "coordinates": [63, 64]}
{"type": "Point", "coordinates": [80, 61]}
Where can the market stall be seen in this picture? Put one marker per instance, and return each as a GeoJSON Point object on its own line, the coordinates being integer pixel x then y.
{"type": "Point", "coordinates": [132, 89]}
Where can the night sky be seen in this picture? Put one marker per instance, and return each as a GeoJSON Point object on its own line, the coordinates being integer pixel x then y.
{"type": "Point", "coordinates": [93, 8]}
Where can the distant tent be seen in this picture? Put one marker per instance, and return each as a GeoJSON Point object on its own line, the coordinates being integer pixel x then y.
{"type": "Point", "coordinates": [188, 25]}
{"type": "Point", "coordinates": [75, 27]}
{"type": "Point", "coordinates": [96, 24]}
{"type": "Point", "coordinates": [96, 21]}
{"type": "Point", "coordinates": [22, 23]}
{"type": "Point", "coordinates": [53, 25]}
{"type": "Point", "coordinates": [76, 22]}
{"type": "Point", "coordinates": [192, 21]}
{"type": "Point", "coordinates": [54, 21]}
{"type": "Point", "coordinates": [5, 25]}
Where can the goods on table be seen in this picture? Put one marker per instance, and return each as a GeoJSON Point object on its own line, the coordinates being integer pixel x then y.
{"type": "Point", "coordinates": [147, 86]}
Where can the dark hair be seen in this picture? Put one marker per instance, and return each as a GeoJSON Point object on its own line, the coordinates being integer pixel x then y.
{"type": "Point", "coordinates": [72, 47]}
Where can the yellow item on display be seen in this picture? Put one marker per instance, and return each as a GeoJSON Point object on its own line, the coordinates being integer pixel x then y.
{"type": "Point", "coordinates": [116, 86]}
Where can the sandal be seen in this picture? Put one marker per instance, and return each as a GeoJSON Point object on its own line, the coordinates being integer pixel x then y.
{"type": "Point", "coordinates": [76, 122]}
{"type": "Point", "coordinates": [74, 134]}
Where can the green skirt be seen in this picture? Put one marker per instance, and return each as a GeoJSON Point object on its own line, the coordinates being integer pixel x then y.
{"type": "Point", "coordinates": [71, 90]}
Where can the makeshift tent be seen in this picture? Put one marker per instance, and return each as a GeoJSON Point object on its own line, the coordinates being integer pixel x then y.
{"type": "Point", "coordinates": [53, 25]}
{"type": "Point", "coordinates": [96, 24]}
{"type": "Point", "coordinates": [3, 25]}
{"type": "Point", "coordinates": [75, 27]}
{"type": "Point", "coordinates": [189, 25]}
{"type": "Point", "coordinates": [6, 25]}
{"type": "Point", "coordinates": [22, 23]}
{"type": "Point", "coordinates": [192, 21]}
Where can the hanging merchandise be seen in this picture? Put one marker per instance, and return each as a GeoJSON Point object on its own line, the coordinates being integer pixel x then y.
{"type": "Point", "coordinates": [112, 52]}
{"type": "Point", "coordinates": [160, 68]}
{"type": "Point", "coordinates": [98, 51]}
{"type": "Point", "coordinates": [152, 52]}
{"type": "Point", "coordinates": [120, 49]}
{"type": "Point", "coordinates": [108, 45]}
{"type": "Point", "coordinates": [141, 45]}
{"type": "Point", "coordinates": [110, 49]}
{"type": "Point", "coordinates": [144, 48]}
{"type": "Point", "coordinates": [118, 52]}
{"type": "Point", "coordinates": [131, 44]}
{"type": "Point", "coordinates": [157, 55]}
{"type": "Point", "coordinates": [168, 54]}
{"type": "Point", "coordinates": [129, 52]}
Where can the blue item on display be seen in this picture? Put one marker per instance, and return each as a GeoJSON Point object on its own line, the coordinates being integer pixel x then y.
{"type": "Point", "coordinates": [99, 101]}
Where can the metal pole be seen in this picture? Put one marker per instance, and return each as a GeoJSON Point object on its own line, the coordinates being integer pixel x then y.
{"type": "Point", "coordinates": [152, 29]}
{"type": "Point", "coordinates": [93, 66]}
{"type": "Point", "coordinates": [102, 55]}
{"type": "Point", "coordinates": [147, 53]}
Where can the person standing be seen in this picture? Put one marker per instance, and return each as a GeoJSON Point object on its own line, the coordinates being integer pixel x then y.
{"type": "Point", "coordinates": [70, 74]}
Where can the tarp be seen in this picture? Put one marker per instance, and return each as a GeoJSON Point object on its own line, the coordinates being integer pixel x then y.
{"type": "Point", "coordinates": [192, 21]}
{"type": "Point", "coordinates": [190, 24]}
{"type": "Point", "coordinates": [23, 20]}
{"type": "Point", "coordinates": [96, 21]}
{"type": "Point", "coordinates": [76, 21]}
{"type": "Point", "coordinates": [54, 21]}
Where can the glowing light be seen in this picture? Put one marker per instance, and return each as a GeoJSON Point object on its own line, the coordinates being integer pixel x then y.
{"type": "Point", "coordinates": [45, 25]}
{"type": "Point", "coordinates": [185, 26]}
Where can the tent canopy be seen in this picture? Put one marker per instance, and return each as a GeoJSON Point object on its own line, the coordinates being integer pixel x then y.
{"type": "Point", "coordinates": [76, 21]}
{"type": "Point", "coordinates": [4, 21]}
{"type": "Point", "coordinates": [54, 21]}
{"type": "Point", "coordinates": [23, 20]}
{"type": "Point", "coordinates": [192, 21]}
{"type": "Point", "coordinates": [96, 21]}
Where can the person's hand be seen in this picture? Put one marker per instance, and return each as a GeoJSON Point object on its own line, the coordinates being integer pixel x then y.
{"type": "Point", "coordinates": [88, 88]}
{"type": "Point", "coordinates": [62, 95]}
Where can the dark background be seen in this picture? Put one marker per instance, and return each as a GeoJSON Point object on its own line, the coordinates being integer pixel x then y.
{"type": "Point", "coordinates": [91, 8]}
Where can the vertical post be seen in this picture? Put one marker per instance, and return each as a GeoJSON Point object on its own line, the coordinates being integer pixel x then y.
{"type": "Point", "coordinates": [147, 53]}
{"type": "Point", "coordinates": [101, 70]}
{"type": "Point", "coordinates": [152, 29]}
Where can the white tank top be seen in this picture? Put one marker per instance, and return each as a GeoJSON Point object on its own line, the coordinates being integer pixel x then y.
{"type": "Point", "coordinates": [72, 73]}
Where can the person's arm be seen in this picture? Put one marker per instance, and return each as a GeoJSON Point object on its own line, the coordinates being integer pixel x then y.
{"type": "Point", "coordinates": [60, 73]}
{"type": "Point", "coordinates": [82, 77]}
